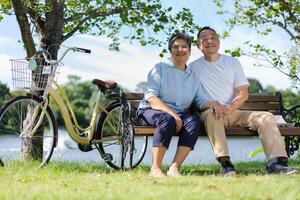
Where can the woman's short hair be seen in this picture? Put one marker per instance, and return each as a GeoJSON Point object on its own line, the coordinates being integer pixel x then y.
{"type": "Point", "coordinates": [176, 36]}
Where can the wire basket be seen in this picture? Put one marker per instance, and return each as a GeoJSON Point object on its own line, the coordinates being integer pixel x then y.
{"type": "Point", "coordinates": [33, 73]}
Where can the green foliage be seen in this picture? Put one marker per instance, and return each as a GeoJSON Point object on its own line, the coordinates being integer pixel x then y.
{"type": "Point", "coordinates": [4, 93]}
{"type": "Point", "coordinates": [264, 16]}
{"type": "Point", "coordinates": [144, 21]}
{"type": "Point", "coordinates": [255, 86]}
{"type": "Point", "coordinates": [5, 8]}
{"type": "Point", "coordinates": [140, 87]}
{"type": "Point", "coordinates": [290, 98]}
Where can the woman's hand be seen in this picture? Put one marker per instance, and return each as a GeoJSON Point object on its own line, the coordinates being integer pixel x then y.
{"type": "Point", "coordinates": [157, 104]}
{"type": "Point", "coordinates": [179, 123]}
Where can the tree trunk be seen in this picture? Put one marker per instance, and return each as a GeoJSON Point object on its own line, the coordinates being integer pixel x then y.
{"type": "Point", "coordinates": [50, 30]}
{"type": "Point", "coordinates": [53, 31]}
{"type": "Point", "coordinates": [24, 27]}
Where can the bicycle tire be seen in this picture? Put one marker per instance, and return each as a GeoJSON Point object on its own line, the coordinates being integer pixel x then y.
{"type": "Point", "coordinates": [112, 151]}
{"type": "Point", "coordinates": [12, 132]}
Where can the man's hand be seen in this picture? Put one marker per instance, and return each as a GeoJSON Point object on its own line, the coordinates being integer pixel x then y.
{"type": "Point", "coordinates": [218, 109]}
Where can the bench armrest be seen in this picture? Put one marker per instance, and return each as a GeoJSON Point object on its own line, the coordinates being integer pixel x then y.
{"type": "Point", "coordinates": [292, 115]}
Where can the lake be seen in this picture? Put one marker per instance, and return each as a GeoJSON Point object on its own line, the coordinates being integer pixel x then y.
{"type": "Point", "coordinates": [239, 148]}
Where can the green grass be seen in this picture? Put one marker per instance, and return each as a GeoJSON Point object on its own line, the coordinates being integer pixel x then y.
{"type": "Point", "coordinates": [62, 180]}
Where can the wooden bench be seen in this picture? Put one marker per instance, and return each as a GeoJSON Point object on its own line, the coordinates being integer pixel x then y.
{"type": "Point", "coordinates": [274, 104]}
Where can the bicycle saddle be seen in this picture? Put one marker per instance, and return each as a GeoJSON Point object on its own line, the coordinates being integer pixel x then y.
{"type": "Point", "coordinates": [104, 84]}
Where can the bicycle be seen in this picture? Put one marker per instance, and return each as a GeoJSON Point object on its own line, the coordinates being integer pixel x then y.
{"type": "Point", "coordinates": [28, 128]}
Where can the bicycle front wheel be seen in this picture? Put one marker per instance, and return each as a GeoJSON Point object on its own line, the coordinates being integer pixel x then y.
{"type": "Point", "coordinates": [17, 140]}
{"type": "Point", "coordinates": [118, 147]}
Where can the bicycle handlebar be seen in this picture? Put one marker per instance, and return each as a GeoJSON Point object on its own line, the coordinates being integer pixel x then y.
{"type": "Point", "coordinates": [82, 50]}
{"type": "Point", "coordinates": [46, 54]}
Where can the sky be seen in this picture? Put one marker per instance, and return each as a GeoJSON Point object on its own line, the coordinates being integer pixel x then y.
{"type": "Point", "coordinates": [132, 63]}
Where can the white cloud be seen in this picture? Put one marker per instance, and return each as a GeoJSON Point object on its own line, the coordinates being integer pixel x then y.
{"type": "Point", "coordinates": [5, 75]}
{"type": "Point", "coordinates": [128, 67]}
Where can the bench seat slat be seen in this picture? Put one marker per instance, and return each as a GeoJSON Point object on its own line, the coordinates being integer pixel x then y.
{"type": "Point", "coordinates": [254, 103]}
{"type": "Point", "coordinates": [256, 98]}
{"type": "Point", "coordinates": [230, 131]}
{"type": "Point", "coordinates": [260, 106]}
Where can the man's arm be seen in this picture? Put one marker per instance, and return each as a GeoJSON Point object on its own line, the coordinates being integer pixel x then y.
{"type": "Point", "coordinates": [241, 96]}
{"type": "Point", "coordinates": [158, 104]}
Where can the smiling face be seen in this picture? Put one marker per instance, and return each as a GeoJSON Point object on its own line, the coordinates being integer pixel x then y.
{"type": "Point", "coordinates": [208, 42]}
{"type": "Point", "coordinates": [180, 52]}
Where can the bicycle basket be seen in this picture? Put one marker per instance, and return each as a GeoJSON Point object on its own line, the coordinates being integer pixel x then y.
{"type": "Point", "coordinates": [33, 73]}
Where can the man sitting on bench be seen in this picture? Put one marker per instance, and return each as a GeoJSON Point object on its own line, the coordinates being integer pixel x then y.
{"type": "Point", "coordinates": [223, 79]}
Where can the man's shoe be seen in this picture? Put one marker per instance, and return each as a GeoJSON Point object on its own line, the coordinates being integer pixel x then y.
{"type": "Point", "coordinates": [227, 169]}
{"type": "Point", "coordinates": [279, 168]}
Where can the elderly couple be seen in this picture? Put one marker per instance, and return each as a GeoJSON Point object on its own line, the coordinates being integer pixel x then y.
{"type": "Point", "coordinates": [216, 84]}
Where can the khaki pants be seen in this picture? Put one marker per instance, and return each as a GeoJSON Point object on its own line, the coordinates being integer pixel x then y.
{"type": "Point", "coordinates": [262, 122]}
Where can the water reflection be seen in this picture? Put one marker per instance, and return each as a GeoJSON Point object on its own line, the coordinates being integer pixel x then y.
{"type": "Point", "coordinates": [239, 148]}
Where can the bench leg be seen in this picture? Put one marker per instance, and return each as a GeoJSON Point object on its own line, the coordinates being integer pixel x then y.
{"type": "Point", "coordinates": [291, 144]}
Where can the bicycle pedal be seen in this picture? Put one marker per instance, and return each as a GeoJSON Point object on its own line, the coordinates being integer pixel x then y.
{"type": "Point", "coordinates": [107, 157]}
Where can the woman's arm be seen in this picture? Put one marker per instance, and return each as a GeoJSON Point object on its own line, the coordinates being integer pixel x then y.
{"type": "Point", "coordinates": [158, 104]}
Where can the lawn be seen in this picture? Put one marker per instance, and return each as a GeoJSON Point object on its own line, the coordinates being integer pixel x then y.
{"type": "Point", "coordinates": [62, 180]}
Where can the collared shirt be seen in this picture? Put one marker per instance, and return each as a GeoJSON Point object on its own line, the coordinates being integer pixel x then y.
{"type": "Point", "coordinates": [176, 88]}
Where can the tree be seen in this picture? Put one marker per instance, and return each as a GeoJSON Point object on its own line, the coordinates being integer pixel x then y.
{"type": "Point", "coordinates": [140, 87]}
{"type": "Point", "coordinates": [255, 86]}
{"type": "Point", "coordinates": [57, 20]}
{"type": "Point", "coordinates": [264, 17]}
{"type": "Point", "coordinates": [4, 92]}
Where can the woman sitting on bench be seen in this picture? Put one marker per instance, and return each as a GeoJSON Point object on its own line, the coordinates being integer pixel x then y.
{"type": "Point", "coordinates": [169, 92]}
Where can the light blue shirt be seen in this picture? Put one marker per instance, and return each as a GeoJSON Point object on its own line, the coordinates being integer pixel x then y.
{"type": "Point", "coordinates": [176, 88]}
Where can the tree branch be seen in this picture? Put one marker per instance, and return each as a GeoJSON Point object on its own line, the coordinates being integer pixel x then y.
{"type": "Point", "coordinates": [94, 15]}
{"type": "Point", "coordinates": [24, 27]}
{"type": "Point", "coordinates": [36, 19]}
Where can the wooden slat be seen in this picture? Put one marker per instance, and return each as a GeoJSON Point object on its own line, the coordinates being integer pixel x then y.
{"type": "Point", "coordinates": [134, 96]}
{"type": "Point", "coordinates": [260, 106]}
{"type": "Point", "coordinates": [288, 131]}
{"type": "Point", "coordinates": [230, 131]}
{"type": "Point", "coordinates": [144, 130]}
{"type": "Point", "coordinates": [263, 98]}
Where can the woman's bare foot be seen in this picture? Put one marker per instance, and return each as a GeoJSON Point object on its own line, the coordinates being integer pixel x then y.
{"type": "Point", "coordinates": [156, 173]}
{"type": "Point", "coordinates": [173, 171]}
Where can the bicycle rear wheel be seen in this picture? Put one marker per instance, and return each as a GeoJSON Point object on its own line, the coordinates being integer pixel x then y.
{"type": "Point", "coordinates": [118, 147]}
{"type": "Point", "coordinates": [17, 142]}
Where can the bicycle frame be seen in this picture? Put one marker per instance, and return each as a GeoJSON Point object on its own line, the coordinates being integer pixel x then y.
{"type": "Point", "coordinates": [65, 108]}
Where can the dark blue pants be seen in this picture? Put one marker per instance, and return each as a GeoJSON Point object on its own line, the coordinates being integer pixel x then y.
{"type": "Point", "coordinates": [165, 127]}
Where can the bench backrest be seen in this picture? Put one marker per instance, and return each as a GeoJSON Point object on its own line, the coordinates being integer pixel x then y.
{"type": "Point", "coordinates": [272, 104]}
